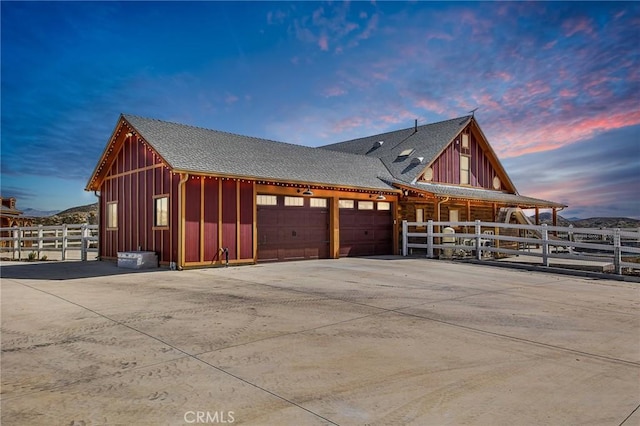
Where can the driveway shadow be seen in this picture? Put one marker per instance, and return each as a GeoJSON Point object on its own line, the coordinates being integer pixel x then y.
{"type": "Point", "coordinates": [67, 270]}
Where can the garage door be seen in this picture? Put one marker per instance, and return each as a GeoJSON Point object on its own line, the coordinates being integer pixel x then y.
{"type": "Point", "coordinates": [292, 228]}
{"type": "Point", "coordinates": [366, 228]}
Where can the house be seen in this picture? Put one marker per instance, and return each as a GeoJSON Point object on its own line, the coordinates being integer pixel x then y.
{"type": "Point", "coordinates": [10, 217]}
{"type": "Point", "coordinates": [200, 197]}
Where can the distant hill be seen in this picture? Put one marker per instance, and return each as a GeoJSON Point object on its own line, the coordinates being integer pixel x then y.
{"type": "Point", "coordinates": [74, 215]}
{"type": "Point", "coordinates": [593, 222]}
{"type": "Point", "coordinates": [39, 213]}
{"type": "Point", "coordinates": [89, 208]}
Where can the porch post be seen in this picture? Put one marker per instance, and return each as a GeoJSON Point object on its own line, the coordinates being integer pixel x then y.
{"type": "Point", "coordinates": [334, 224]}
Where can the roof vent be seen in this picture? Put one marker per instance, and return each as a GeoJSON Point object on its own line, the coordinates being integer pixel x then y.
{"type": "Point", "coordinates": [377, 144]}
{"type": "Point", "coordinates": [418, 160]}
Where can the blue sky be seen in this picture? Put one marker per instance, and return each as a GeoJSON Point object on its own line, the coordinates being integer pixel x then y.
{"type": "Point", "coordinates": [557, 85]}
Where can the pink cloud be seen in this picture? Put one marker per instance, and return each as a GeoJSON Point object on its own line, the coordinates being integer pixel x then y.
{"type": "Point", "coordinates": [401, 116]}
{"type": "Point", "coordinates": [323, 43]}
{"type": "Point", "coordinates": [347, 124]}
{"type": "Point", "coordinates": [430, 105]}
{"type": "Point", "coordinates": [513, 140]}
{"type": "Point", "coordinates": [567, 93]}
{"type": "Point", "coordinates": [577, 25]}
{"type": "Point", "coordinates": [522, 95]}
{"type": "Point", "coordinates": [502, 75]}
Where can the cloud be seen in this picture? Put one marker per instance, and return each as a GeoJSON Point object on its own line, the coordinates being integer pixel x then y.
{"type": "Point", "coordinates": [231, 99]}
{"type": "Point", "coordinates": [577, 25]}
{"type": "Point", "coordinates": [595, 177]}
{"type": "Point", "coordinates": [323, 42]}
{"type": "Point", "coordinates": [333, 91]}
{"type": "Point", "coordinates": [330, 25]}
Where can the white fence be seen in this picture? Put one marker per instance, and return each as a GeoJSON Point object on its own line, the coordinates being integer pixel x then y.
{"type": "Point", "coordinates": [32, 241]}
{"type": "Point", "coordinates": [489, 239]}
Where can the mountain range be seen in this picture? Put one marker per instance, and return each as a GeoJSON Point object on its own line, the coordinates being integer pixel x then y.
{"type": "Point", "coordinates": [80, 214]}
{"type": "Point", "coordinates": [592, 222]}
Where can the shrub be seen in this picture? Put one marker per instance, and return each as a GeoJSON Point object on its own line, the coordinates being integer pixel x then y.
{"type": "Point", "coordinates": [32, 256]}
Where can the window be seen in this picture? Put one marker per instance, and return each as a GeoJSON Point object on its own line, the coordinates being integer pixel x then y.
{"type": "Point", "coordinates": [419, 215]}
{"type": "Point", "coordinates": [383, 205]}
{"type": "Point", "coordinates": [293, 201]}
{"type": "Point", "coordinates": [465, 141]}
{"type": "Point", "coordinates": [161, 211]}
{"type": "Point", "coordinates": [365, 205]}
{"type": "Point", "coordinates": [464, 170]}
{"type": "Point", "coordinates": [346, 204]}
{"type": "Point", "coordinates": [453, 216]}
{"type": "Point", "coordinates": [267, 200]}
{"type": "Point", "coordinates": [318, 202]}
{"type": "Point", "coordinates": [112, 215]}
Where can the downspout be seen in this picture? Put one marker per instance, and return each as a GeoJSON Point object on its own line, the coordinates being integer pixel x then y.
{"type": "Point", "coordinates": [181, 212]}
{"type": "Point", "coordinates": [444, 200]}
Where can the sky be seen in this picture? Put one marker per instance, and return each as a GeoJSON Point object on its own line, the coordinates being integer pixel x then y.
{"type": "Point", "coordinates": [556, 85]}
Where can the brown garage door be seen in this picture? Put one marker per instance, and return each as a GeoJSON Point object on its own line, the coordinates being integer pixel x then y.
{"type": "Point", "coordinates": [292, 228]}
{"type": "Point", "coordinates": [366, 228]}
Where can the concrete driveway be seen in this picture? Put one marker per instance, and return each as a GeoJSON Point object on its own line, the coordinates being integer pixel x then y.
{"type": "Point", "coordinates": [350, 342]}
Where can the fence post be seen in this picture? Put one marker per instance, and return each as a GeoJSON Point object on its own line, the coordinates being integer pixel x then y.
{"type": "Point", "coordinates": [545, 244]}
{"type": "Point", "coordinates": [64, 241]}
{"type": "Point", "coordinates": [571, 238]}
{"type": "Point", "coordinates": [430, 239]}
{"type": "Point", "coordinates": [617, 251]}
{"type": "Point", "coordinates": [405, 238]}
{"type": "Point", "coordinates": [478, 244]}
{"type": "Point", "coordinates": [16, 242]}
{"type": "Point", "coordinates": [40, 237]}
{"type": "Point", "coordinates": [83, 243]}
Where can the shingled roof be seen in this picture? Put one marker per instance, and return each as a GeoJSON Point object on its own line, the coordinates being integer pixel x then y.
{"type": "Point", "coordinates": [425, 141]}
{"type": "Point", "coordinates": [198, 150]}
{"type": "Point", "coordinates": [480, 194]}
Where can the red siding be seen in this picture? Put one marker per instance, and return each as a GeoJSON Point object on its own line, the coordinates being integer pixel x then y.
{"type": "Point", "coordinates": [134, 180]}
{"type": "Point", "coordinates": [174, 218]}
{"type": "Point", "coordinates": [211, 199]}
{"type": "Point", "coordinates": [446, 169]}
{"type": "Point", "coordinates": [134, 189]}
{"type": "Point", "coordinates": [229, 224]}
{"type": "Point", "coordinates": [192, 220]}
{"type": "Point", "coordinates": [246, 220]}
{"type": "Point", "coordinates": [148, 213]}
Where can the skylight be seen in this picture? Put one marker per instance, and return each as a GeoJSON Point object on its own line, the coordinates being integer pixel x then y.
{"type": "Point", "coordinates": [406, 152]}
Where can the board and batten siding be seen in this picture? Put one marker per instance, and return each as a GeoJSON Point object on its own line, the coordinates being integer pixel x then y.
{"type": "Point", "coordinates": [136, 177]}
{"type": "Point", "coordinates": [218, 214]}
{"type": "Point", "coordinates": [446, 168]}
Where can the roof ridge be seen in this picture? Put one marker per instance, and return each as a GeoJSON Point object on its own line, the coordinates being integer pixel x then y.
{"type": "Point", "coordinates": [463, 118]}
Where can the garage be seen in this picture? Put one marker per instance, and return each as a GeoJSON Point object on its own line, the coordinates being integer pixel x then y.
{"type": "Point", "coordinates": [366, 228]}
{"type": "Point", "coordinates": [292, 228]}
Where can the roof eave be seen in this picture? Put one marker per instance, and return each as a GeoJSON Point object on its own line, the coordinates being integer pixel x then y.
{"type": "Point", "coordinates": [304, 183]}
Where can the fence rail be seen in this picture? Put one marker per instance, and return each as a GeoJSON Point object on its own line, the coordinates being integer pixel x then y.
{"type": "Point", "coordinates": [17, 241]}
{"type": "Point", "coordinates": [490, 239]}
